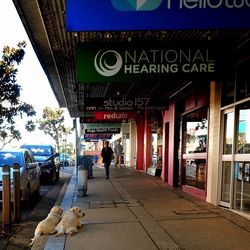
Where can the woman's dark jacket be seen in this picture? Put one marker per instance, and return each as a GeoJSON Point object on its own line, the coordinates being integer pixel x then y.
{"type": "Point", "coordinates": [107, 153]}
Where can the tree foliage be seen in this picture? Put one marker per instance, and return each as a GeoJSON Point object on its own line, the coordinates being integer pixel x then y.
{"type": "Point", "coordinates": [52, 124]}
{"type": "Point", "coordinates": [11, 106]}
{"type": "Point", "coordinates": [67, 148]}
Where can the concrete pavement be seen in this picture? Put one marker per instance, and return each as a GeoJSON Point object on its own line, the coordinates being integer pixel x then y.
{"type": "Point", "coordinates": [133, 210]}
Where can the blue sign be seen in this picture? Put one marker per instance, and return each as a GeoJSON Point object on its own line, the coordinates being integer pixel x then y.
{"type": "Point", "coordinates": [117, 15]}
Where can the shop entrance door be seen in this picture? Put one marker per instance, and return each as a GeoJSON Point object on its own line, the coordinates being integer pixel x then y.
{"type": "Point", "coordinates": [227, 158]}
{"type": "Point", "coordinates": [194, 152]}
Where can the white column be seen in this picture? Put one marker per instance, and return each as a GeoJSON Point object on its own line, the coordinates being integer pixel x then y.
{"type": "Point", "coordinates": [132, 144]}
{"type": "Point", "coordinates": [213, 167]}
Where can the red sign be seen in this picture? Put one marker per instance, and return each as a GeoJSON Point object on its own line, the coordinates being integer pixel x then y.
{"type": "Point", "coordinates": [114, 115]}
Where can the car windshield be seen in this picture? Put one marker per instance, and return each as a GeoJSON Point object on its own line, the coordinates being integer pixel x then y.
{"type": "Point", "coordinates": [10, 158]}
{"type": "Point", "coordinates": [40, 150]}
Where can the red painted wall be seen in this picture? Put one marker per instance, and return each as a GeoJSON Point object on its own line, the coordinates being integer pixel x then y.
{"type": "Point", "coordinates": [193, 101]}
{"type": "Point", "coordinates": [169, 117]}
{"type": "Point", "coordinates": [165, 152]}
{"type": "Point", "coordinates": [148, 143]}
{"type": "Point", "coordinates": [140, 120]}
{"type": "Point", "coordinates": [196, 100]}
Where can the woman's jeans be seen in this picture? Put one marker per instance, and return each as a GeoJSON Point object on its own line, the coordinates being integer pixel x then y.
{"type": "Point", "coordinates": [106, 166]}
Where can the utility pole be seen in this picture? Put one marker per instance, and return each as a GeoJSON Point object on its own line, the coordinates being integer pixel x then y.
{"type": "Point", "coordinates": [77, 142]}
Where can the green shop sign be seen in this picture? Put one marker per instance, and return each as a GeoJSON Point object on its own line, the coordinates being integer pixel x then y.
{"type": "Point", "coordinates": [128, 62]}
{"type": "Point", "coordinates": [102, 125]}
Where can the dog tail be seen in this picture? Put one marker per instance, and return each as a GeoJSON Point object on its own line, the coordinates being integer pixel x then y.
{"type": "Point", "coordinates": [33, 239]}
{"type": "Point", "coordinates": [32, 242]}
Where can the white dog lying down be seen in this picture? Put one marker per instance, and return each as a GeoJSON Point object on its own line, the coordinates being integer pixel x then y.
{"type": "Point", "coordinates": [47, 226]}
{"type": "Point", "coordinates": [70, 222]}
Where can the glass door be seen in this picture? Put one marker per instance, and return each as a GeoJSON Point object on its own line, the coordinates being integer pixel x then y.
{"type": "Point", "coordinates": [241, 187]}
{"type": "Point", "coordinates": [226, 183]}
{"type": "Point", "coordinates": [194, 155]}
{"type": "Point", "coordinates": [226, 169]}
{"type": "Point", "coordinates": [241, 194]}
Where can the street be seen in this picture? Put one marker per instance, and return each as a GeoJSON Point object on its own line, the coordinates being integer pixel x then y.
{"type": "Point", "coordinates": [36, 211]}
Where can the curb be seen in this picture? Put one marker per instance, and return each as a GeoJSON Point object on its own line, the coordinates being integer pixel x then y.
{"type": "Point", "coordinates": [57, 243]}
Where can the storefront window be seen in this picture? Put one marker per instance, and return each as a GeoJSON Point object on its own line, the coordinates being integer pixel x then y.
{"type": "Point", "coordinates": [154, 150]}
{"type": "Point", "coordinates": [228, 137]}
{"type": "Point", "coordinates": [195, 140]}
{"type": "Point", "coordinates": [242, 186]}
{"type": "Point", "coordinates": [243, 129]}
{"type": "Point", "coordinates": [195, 127]}
{"type": "Point", "coordinates": [237, 133]}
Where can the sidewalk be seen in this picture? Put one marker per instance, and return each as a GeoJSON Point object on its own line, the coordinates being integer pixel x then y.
{"type": "Point", "coordinates": [133, 210]}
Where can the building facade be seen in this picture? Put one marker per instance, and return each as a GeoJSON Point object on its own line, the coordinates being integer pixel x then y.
{"type": "Point", "coordinates": [203, 139]}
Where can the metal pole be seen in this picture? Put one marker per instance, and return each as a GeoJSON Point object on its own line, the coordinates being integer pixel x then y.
{"type": "Point", "coordinates": [6, 193]}
{"type": "Point", "coordinates": [77, 144]}
{"type": "Point", "coordinates": [64, 144]}
{"type": "Point", "coordinates": [17, 197]}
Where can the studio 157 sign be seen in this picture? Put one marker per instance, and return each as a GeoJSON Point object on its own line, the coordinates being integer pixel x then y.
{"type": "Point", "coordinates": [131, 63]}
{"type": "Point", "coordinates": [125, 104]}
{"type": "Point", "coordinates": [103, 15]}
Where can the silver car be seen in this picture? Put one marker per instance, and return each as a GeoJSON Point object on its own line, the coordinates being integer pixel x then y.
{"type": "Point", "coordinates": [29, 171]}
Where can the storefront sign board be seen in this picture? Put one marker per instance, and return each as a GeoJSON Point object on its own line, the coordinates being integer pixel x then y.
{"type": "Point", "coordinates": [101, 125]}
{"type": "Point", "coordinates": [102, 130]}
{"type": "Point", "coordinates": [125, 104]}
{"type": "Point", "coordinates": [132, 62]}
{"type": "Point", "coordinates": [117, 15]}
{"type": "Point", "coordinates": [97, 120]}
{"type": "Point", "coordinates": [113, 115]}
{"type": "Point", "coordinates": [97, 136]}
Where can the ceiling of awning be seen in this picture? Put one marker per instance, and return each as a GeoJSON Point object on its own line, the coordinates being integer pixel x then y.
{"type": "Point", "coordinates": [44, 21]}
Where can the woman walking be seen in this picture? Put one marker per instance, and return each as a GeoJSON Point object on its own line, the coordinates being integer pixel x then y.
{"type": "Point", "coordinates": [107, 156]}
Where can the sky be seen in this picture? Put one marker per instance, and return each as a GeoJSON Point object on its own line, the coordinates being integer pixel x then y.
{"type": "Point", "coordinates": [36, 89]}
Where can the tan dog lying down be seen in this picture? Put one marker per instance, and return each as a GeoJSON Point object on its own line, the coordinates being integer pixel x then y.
{"type": "Point", "coordinates": [47, 226]}
{"type": "Point", "coordinates": [70, 222]}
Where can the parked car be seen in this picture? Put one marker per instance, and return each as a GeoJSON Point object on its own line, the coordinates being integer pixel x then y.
{"type": "Point", "coordinates": [48, 161]}
{"type": "Point", "coordinates": [29, 171]}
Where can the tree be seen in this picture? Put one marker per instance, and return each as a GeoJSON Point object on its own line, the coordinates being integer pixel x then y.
{"type": "Point", "coordinates": [11, 106]}
{"type": "Point", "coordinates": [52, 125]}
{"type": "Point", "coordinates": [67, 148]}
